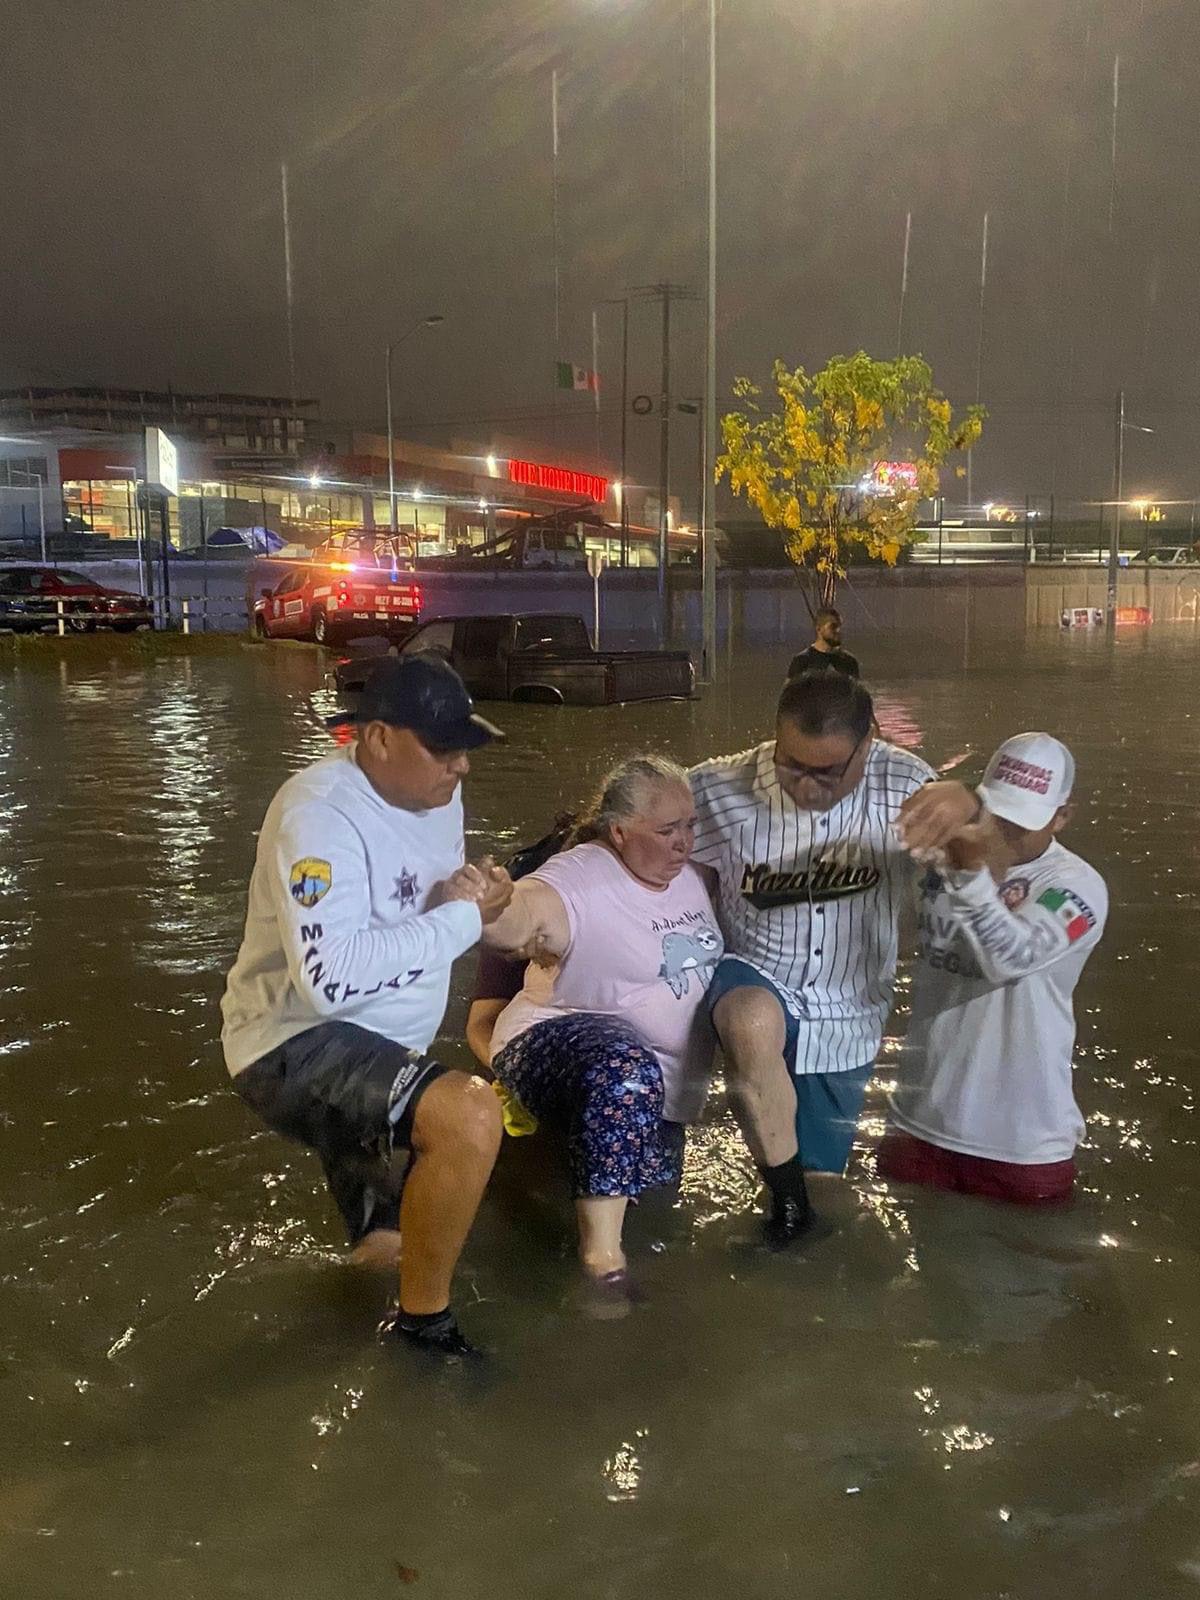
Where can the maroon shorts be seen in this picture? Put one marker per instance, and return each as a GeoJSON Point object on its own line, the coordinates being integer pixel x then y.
{"type": "Point", "coordinates": [905, 1159]}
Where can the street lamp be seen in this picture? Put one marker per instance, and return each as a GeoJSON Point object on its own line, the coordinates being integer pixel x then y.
{"type": "Point", "coordinates": [1114, 546]}
{"type": "Point", "coordinates": [425, 322]}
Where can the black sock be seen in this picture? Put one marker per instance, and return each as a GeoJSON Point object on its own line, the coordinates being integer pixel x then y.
{"type": "Point", "coordinates": [786, 1181]}
{"type": "Point", "coordinates": [413, 1321]}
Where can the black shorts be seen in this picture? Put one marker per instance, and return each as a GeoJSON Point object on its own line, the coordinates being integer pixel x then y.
{"type": "Point", "coordinates": [349, 1094]}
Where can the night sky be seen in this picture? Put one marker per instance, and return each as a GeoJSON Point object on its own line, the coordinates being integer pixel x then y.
{"type": "Point", "coordinates": [142, 238]}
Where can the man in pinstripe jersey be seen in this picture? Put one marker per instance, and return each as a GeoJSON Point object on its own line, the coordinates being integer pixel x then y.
{"type": "Point", "coordinates": [811, 878]}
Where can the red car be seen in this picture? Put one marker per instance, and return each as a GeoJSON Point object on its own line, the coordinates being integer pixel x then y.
{"type": "Point", "coordinates": [338, 600]}
{"type": "Point", "coordinates": [30, 596]}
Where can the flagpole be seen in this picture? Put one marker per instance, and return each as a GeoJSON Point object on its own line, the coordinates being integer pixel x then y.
{"type": "Point", "coordinates": [596, 376]}
{"type": "Point", "coordinates": [978, 359]}
{"type": "Point", "coordinates": [903, 286]}
{"type": "Point", "coordinates": [287, 282]}
{"type": "Point", "coordinates": [1116, 103]}
{"type": "Point", "coordinates": [554, 226]}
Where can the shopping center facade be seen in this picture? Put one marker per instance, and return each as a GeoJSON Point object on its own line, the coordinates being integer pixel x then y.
{"type": "Point", "coordinates": [74, 458]}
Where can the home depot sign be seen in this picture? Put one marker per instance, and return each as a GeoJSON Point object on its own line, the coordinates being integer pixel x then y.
{"type": "Point", "coordinates": [561, 480]}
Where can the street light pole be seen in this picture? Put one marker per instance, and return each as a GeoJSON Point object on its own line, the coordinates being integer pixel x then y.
{"type": "Point", "coordinates": [425, 322]}
{"type": "Point", "coordinates": [664, 474]}
{"type": "Point", "coordinates": [708, 457]}
{"type": "Point", "coordinates": [1114, 544]}
{"type": "Point", "coordinates": [625, 431]}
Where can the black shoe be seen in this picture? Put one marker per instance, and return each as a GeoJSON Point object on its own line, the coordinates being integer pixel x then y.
{"type": "Point", "coordinates": [790, 1220]}
{"type": "Point", "coordinates": [440, 1337]}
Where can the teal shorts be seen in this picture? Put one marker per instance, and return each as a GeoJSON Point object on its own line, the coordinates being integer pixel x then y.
{"type": "Point", "coordinates": [827, 1103]}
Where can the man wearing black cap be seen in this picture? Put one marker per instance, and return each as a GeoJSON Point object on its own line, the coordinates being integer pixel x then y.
{"type": "Point", "coordinates": [360, 901]}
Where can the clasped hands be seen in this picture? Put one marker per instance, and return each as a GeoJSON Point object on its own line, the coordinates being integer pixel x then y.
{"type": "Point", "coordinates": [484, 885]}
{"type": "Point", "coordinates": [947, 824]}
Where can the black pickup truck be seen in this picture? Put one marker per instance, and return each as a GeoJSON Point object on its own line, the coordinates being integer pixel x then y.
{"type": "Point", "coordinates": [546, 659]}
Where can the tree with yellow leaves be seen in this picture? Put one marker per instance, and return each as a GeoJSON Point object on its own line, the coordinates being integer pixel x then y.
{"type": "Point", "coordinates": [808, 465]}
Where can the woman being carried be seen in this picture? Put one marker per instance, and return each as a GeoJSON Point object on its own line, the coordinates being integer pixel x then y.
{"type": "Point", "coordinates": [610, 1037]}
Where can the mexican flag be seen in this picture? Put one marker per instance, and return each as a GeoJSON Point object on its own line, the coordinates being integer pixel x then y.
{"type": "Point", "coordinates": [1070, 911]}
{"type": "Point", "coordinates": [571, 377]}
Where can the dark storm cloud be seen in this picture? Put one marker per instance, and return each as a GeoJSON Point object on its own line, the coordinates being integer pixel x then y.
{"type": "Point", "coordinates": [142, 237]}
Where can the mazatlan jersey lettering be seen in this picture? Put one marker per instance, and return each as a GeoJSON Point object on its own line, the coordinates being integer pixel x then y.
{"type": "Point", "coordinates": [811, 898]}
{"type": "Point", "coordinates": [338, 923]}
{"type": "Point", "coordinates": [985, 1068]}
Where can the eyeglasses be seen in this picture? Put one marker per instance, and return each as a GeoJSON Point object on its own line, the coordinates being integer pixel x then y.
{"type": "Point", "coordinates": [827, 777]}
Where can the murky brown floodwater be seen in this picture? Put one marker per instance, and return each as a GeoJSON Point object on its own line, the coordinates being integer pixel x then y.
{"type": "Point", "coordinates": [942, 1400]}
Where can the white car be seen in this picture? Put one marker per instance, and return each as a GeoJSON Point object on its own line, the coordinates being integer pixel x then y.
{"type": "Point", "coordinates": [1170, 555]}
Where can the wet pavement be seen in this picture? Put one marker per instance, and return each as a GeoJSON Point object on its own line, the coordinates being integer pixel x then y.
{"type": "Point", "coordinates": [942, 1399]}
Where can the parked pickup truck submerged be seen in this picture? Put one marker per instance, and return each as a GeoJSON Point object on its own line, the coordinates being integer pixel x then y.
{"type": "Point", "coordinates": [546, 659]}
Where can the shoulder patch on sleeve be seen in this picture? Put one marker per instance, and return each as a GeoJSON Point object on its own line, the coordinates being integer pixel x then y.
{"type": "Point", "coordinates": [310, 880]}
{"type": "Point", "coordinates": [1075, 915]}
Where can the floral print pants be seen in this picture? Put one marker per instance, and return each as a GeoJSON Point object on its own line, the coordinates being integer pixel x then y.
{"type": "Point", "coordinates": [593, 1076]}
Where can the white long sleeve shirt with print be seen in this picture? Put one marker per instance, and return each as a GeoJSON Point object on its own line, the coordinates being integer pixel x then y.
{"type": "Point", "coordinates": [985, 1068]}
{"type": "Point", "coordinates": [338, 924]}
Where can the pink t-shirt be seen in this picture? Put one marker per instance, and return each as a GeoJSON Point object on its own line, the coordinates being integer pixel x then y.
{"type": "Point", "coordinates": [643, 955]}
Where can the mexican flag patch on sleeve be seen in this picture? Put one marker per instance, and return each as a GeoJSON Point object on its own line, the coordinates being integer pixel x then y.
{"type": "Point", "coordinates": [1075, 916]}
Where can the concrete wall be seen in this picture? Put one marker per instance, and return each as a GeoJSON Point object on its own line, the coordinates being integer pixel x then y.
{"type": "Point", "coordinates": [754, 607]}
{"type": "Point", "coordinates": [1172, 593]}
{"type": "Point", "coordinates": [949, 604]}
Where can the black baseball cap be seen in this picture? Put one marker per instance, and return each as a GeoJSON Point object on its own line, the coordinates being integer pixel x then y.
{"type": "Point", "coordinates": [425, 694]}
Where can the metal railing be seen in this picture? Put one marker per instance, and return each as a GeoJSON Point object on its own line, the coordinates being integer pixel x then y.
{"type": "Point", "coordinates": [63, 614]}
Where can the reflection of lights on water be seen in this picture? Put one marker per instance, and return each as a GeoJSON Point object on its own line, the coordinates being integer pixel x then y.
{"type": "Point", "coordinates": [623, 1470]}
{"type": "Point", "coordinates": [898, 723]}
{"type": "Point", "coordinates": [964, 1438]}
{"type": "Point", "coordinates": [333, 1420]}
{"type": "Point", "coordinates": [717, 1171]}
{"type": "Point", "coordinates": [930, 1404]}
{"type": "Point", "coordinates": [1107, 1242]}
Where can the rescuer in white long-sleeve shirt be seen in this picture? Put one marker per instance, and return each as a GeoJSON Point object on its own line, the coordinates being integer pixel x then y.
{"type": "Point", "coordinates": [984, 1102]}
{"type": "Point", "coordinates": [359, 903]}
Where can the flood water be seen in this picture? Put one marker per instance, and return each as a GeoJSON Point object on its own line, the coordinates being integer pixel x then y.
{"type": "Point", "coordinates": [942, 1399]}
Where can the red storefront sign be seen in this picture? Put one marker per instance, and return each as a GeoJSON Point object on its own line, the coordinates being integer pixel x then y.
{"type": "Point", "coordinates": [77, 465]}
{"type": "Point", "coordinates": [890, 476]}
{"type": "Point", "coordinates": [560, 480]}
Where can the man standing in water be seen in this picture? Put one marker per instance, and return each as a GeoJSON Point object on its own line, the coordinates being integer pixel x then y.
{"type": "Point", "coordinates": [359, 903]}
{"type": "Point", "coordinates": [984, 1103]}
{"type": "Point", "coordinates": [800, 831]}
{"type": "Point", "coordinates": [825, 653]}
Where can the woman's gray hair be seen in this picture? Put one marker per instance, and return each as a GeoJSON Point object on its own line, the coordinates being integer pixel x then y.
{"type": "Point", "coordinates": [623, 793]}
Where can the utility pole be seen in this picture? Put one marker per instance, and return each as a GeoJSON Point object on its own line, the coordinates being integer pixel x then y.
{"type": "Point", "coordinates": [623, 302]}
{"type": "Point", "coordinates": [666, 294]}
